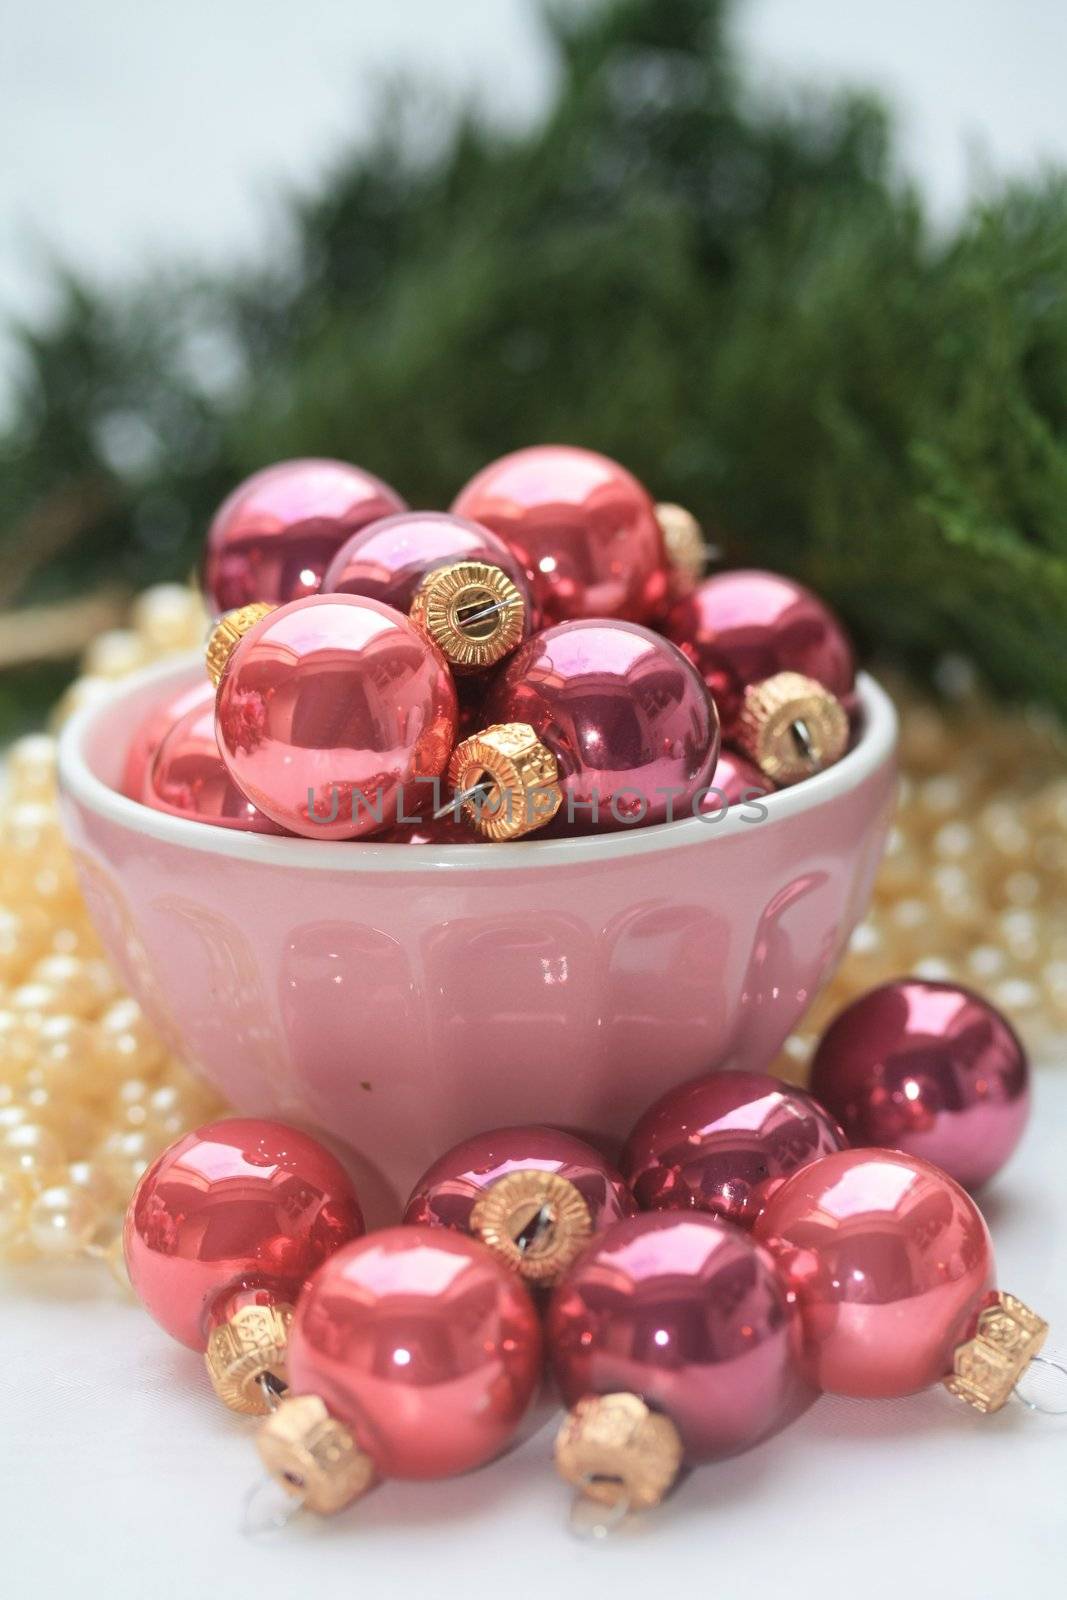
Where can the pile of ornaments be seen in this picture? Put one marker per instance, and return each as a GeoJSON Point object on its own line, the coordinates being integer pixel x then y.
{"type": "Point", "coordinates": [741, 1258]}
{"type": "Point", "coordinates": [544, 658]}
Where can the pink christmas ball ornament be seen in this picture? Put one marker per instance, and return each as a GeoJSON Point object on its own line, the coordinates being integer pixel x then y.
{"type": "Point", "coordinates": [335, 716]}
{"type": "Point", "coordinates": [889, 1262]}
{"type": "Point", "coordinates": [583, 527]}
{"type": "Point", "coordinates": [276, 534]}
{"type": "Point", "coordinates": [723, 1143]}
{"type": "Point", "coordinates": [929, 1068]}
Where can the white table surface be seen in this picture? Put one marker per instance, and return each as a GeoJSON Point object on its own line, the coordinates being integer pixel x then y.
{"type": "Point", "coordinates": [120, 1476]}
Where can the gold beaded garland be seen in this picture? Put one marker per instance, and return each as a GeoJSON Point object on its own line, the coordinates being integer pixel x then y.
{"type": "Point", "coordinates": [88, 1095]}
{"type": "Point", "coordinates": [973, 888]}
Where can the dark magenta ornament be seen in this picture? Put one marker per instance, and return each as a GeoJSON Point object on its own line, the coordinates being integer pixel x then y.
{"type": "Point", "coordinates": [739, 628]}
{"type": "Point", "coordinates": [276, 534]}
{"type": "Point", "coordinates": [722, 1143]}
{"type": "Point", "coordinates": [930, 1068]}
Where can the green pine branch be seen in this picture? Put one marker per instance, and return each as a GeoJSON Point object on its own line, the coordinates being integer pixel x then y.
{"type": "Point", "coordinates": [739, 300]}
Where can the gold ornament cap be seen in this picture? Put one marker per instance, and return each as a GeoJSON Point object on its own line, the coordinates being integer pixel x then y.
{"type": "Point", "coordinates": [683, 539]}
{"type": "Point", "coordinates": [986, 1368]}
{"type": "Point", "coordinates": [524, 790]}
{"type": "Point", "coordinates": [791, 727]}
{"type": "Point", "coordinates": [228, 631]}
{"type": "Point", "coordinates": [312, 1457]}
{"type": "Point", "coordinates": [536, 1222]}
{"type": "Point", "coordinates": [614, 1448]}
{"type": "Point", "coordinates": [472, 611]}
{"type": "Point", "coordinates": [250, 1346]}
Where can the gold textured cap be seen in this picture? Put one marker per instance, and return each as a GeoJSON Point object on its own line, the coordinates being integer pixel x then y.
{"type": "Point", "coordinates": [231, 626]}
{"type": "Point", "coordinates": [612, 1448]}
{"type": "Point", "coordinates": [247, 1348]}
{"type": "Point", "coordinates": [522, 772]}
{"type": "Point", "coordinates": [473, 613]}
{"type": "Point", "coordinates": [312, 1457]}
{"type": "Point", "coordinates": [683, 538]}
{"type": "Point", "coordinates": [536, 1222]}
{"type": "Point", "coordinates": [987, 1367]}
{"type": "Point", "coordinates": [791, 727]}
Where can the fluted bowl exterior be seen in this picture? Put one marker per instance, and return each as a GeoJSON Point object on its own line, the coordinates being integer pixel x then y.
{"type": "Point", "coordinates": [403, 999]}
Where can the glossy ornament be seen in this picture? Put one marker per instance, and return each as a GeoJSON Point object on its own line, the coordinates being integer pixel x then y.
{"type": "Point", "coordinates": [423, 1345]}
{"type": "Point", "coordinates": [334, 715]}
{"type": "Point", "coordinates": [237, 1205]}
{"type": "Point", "coordinates": [534, 1195]}
{"type": "Point", "coordinates": [723, 1143]}
{"type": "Point", "coordinates": [930, 1068]}
{"type": "Point", "coordinates": [188, 777]}
{"type": "Point", "coordinates": [740, 628]}
{"type": "Point", "coordinates": [151, 732]}
{"type": "Point", "coordinates": [276, 534]}
{"type": "Point", "coordinates": [583, 527]}
{"type": "Point", "coordinates": [689, 1315]}
{"type": "Point", "coordinates": [889, 1261]}
{"type": "Point", "coordinates": [622, 722]}
{"type": "Point", "coordinates": [459, 582]}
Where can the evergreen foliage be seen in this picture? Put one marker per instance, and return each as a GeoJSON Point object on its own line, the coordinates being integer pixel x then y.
{"type": "Point", "coordinates": [741, 301]}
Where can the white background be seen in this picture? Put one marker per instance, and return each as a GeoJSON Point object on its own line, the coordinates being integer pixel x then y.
{"type": "Point", "coordinates": [134, 130]}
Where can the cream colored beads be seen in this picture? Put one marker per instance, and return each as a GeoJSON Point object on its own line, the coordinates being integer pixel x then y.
{"type": "Point", "coordinates": [88, 1095]}
{"type": "Point", "coordinates": [973, 888]}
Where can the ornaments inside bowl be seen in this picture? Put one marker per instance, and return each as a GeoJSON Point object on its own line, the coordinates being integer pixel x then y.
{"type": "Point", "coordinates": [273, 538]}
{"type": "Point", "coordinates": [334, 716]}
{"type": "Point", "coordinates": [585, 530]}
{"type": "Point", "coordinates": [328, 723]}
{"type": "Point", "coordinates": [598, 725]}
{"type": "Point", "coordinates": [188, 776]}
{"type": "Point", "coordinates": [778, 663]}
{"type": "Point", "coordinates": [459, 583]}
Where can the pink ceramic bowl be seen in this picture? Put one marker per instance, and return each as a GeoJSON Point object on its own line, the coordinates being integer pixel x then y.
{"type": "Point", "coordinates": [403, 997]}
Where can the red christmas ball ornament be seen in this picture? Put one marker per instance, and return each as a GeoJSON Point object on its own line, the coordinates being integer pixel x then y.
{"type": "Point", "coordinates": [333, 715]}
{"type": "Point", "coordinates": [413, 1353]}
{"type": "Point", "coordinates": [929, 1068]}
{"type": "Point", "coordinates": [671, 1338]}
{"type": "Point", "coordinates": [778, 664]}
{"type": "Point", "coordinates": [151, 732]}
{"type": "Point", "coordinates": [583, 527]}
{"type": "Point", "coordinates": [598, 725]}
{"type": "Point", "coordinates": [723, 1143]}
{"type": "Point", "coordinates": [188, 777]}
{"type": "Point", "coordinates": [276, 534]}
{"type": "Point", "coordinates": [459, 583]}
{"type": "Point", "coordinates": [222, 1231]}
{"type": "Point", "coordinates": [534, 1196]}
{"type": "Point", "coordinates": [890, 1263]}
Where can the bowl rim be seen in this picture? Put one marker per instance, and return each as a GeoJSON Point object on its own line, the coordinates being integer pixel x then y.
{"type": "Point", "coordinates": [78, 782]}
